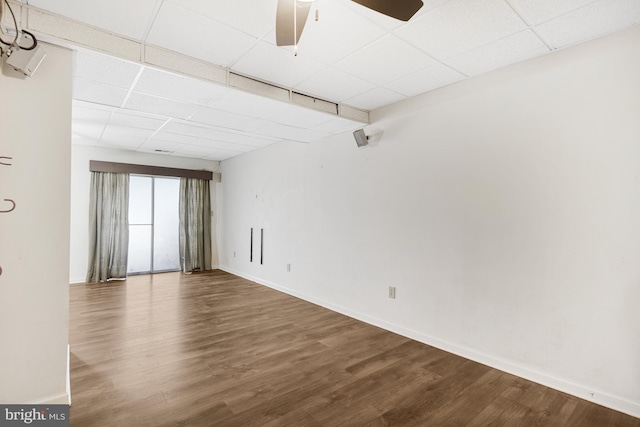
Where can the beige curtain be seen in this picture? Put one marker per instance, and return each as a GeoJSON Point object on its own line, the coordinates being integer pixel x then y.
{"type": "Point", "coordinates": [108, 226]}
{"type": "Point", "coordinates": [195, 225]}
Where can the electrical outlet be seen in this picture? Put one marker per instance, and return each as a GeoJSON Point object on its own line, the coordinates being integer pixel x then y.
{"type": "Point", "coordinates": [392, 292]}
{"type": "Point", "coordinates": [289, 267]}
{"type": "Point", "coordinates": [234, 254]}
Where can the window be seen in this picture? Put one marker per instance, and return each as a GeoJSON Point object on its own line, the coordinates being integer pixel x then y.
{"type": "Point", "coordinates": [153, 224]}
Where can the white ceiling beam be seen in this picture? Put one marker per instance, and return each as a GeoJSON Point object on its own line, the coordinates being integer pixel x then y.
{"type": "Point", "coordinates": [169, 60]}
{"type": "Point", "coordinates": [59, 30]}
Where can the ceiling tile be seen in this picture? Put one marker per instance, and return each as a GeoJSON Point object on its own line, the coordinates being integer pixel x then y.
{"type": "Point", "coordinates": [430, 78]}
{"type": "Point", "coordinates": [591, 21]}
{"type": "Point", "coordinates": [173, 137]}
{"type": "Point", "coordinates": [375, 98]}
{"type": "Point", "coordinates": [175, 87]}
{"type": "Point", "coordinates": [114, 133]}
{"type": "Point", "coordinates": [224, 119]}
{"type": "Point", "coordinates": [259, 142]}
{"type": "Point", "coordinates": [98, 93]}
{"type": "Point", "coordinates": [535, 12]}
{"type": "Point", "coordinates": [82, 104]}
{"type": "Point", "coordinates": [384, 60]}
{"type": "Point", "coordinates": [221, 135]}
{"type": "Point", "coordinates": [131, 144]}
{"type": "Point", "coordinates": [512, 49]}
{"type": "Point", "coordinates": [86, 129]}
{"type": "Point", "coordinates": [128, 118]}
{"type": "Point", "coordinates": [186, 128]}
{"type": "Point", "coordinates": [300, 117]}
{"type": "Point", "coordinates": [161, 106]}
{"type": "Point", "coordinates": [338, 125]}
{"type": "Point", "coordinates": [155, 145]}
{"type": "Point", "coordinates": [105, 69]}
{"type": "Point", "coordinates": [91, 112]}
{"type": "Point", "coordinates": [222, 145]}
{"type": "Point", "coordinates": [106, 14]}
{"type": "Point", "coordinates": [339, 32]}
{"type": "Point", "coordinates": [189, 33]}
{"type": "Point", "coordinates": [283, 67]}
{"type": "Point", "coordinates": [334, 84]}
{"type": "Point", "coordinates": [289, 132]}
{"type": "Point", "coordinates": [461, 25]}
{"type": "Point", "coordinates": [256, 18]}
{"type": "Point", "coordinates": [244, 103]}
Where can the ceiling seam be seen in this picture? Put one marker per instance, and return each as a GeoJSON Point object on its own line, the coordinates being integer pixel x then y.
{"type": "Point", "coordinates": [531, 27]}
{"type": "Point", "coordinates": [104, 126]}
{"type": "Point", "coordinates": [157, 130]}
{"type": "Point", "coordinates": [152, 21]}
{"type": "Point", "coordinates": [569, 12]}
{"type": "Point", "coordinates": [133, 84]}
{"type": "Point", "coordinates": [214, 19]}
{"type": "Point", "coordinates": [486, 44]}
{"type": "Point", "coordinates": [239, 58]}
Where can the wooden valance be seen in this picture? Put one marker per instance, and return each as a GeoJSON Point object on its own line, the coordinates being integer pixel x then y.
{"type": "Point", "coordinates": [98, 166]}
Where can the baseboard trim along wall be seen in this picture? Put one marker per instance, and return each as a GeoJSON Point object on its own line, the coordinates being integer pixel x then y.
{"type": "Point", "coordinates": [58, 399]}
{"type": "Point", "coordinates": [62, 398]}
{"type": "Point", "coordinates": [584, 392]}
{"type": "Point", "coordinates": [82, 280]}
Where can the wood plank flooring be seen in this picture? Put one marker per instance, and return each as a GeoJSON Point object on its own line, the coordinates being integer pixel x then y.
{"type": "Point", "coordinates": [212, 349]}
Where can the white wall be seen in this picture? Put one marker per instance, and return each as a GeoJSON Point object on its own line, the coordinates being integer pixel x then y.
{"type": "Point", "coordinates": [35, 129]}
{"type": "Point", "coordinates": [81, 180]}
{"type": "Point", "coordinates": [505, 209]}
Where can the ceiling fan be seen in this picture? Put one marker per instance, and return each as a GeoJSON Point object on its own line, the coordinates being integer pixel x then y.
{"type": "Point", "coordinates": [292, 15]}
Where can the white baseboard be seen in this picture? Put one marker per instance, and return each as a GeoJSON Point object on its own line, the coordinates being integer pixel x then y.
{"type": "Point", "coordinates": [58, 399]}
{"type": "Point", "coordinates": [62, 398]}
{"type": "Point", "coordinates": [564, 385]}
{"type": "Point", "coordinates": [77, 280]}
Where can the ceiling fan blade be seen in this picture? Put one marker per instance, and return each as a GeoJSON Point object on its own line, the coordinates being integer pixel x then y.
{"type": "Point", "coordinates": [285, 24]}
{"type": "Point", "coordinates": [399, 9]}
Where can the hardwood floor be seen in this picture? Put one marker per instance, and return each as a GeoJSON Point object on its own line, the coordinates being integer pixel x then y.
{"type": "Point", "coordinates": [212, 349]}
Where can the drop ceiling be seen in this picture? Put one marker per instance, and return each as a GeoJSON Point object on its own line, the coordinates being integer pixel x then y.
{"type": "Point", "coordinates": [352, 57]}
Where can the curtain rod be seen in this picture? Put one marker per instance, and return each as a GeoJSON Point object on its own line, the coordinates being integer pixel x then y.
{"type": "Point", "coordinates": [98, 166]}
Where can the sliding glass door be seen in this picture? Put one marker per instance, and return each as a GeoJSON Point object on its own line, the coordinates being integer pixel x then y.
{"type": "Point", "coordinates": [153, 224]}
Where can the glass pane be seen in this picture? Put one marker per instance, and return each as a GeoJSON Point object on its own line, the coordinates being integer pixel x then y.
{"type": "Point", "coordinates": [166, 255]}
{"type": "Point", "coordinates": [140, 200]}
{"type": "Point", "coordinates": [139, 249]}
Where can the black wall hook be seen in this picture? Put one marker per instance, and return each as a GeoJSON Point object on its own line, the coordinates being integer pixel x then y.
{"type": "Point", "coordinates": [12, 207]}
